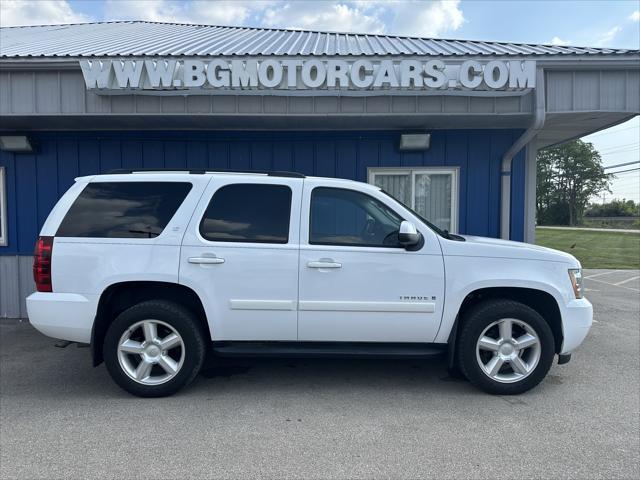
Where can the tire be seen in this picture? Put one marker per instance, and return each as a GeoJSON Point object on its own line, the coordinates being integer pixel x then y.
{"type": "Point", "coordinates": [505, 369]}
{"type": "Point", "coordinates": [160, 367]}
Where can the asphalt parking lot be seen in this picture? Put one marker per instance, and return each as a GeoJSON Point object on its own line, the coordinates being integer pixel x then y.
{"type": "Point", "coordinates": [61, 418]}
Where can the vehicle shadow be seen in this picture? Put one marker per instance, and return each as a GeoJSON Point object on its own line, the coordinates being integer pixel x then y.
{"type": "Point", "coordinates": [341, 374]}
{"type": "Point", "coordinates": [32, 367]}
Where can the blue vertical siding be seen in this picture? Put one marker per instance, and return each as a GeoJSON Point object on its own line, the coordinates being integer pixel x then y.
{"type": "Point", "coordinates": [36, 181]}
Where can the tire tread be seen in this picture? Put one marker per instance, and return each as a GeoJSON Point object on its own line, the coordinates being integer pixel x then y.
{"type": "Point", "coordinates": [482, 315]}
{"type": "Point", "coordinates": [186, 319]}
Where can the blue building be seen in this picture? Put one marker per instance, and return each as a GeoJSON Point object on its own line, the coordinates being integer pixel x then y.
{"type": "Point", "coordinates": [451, 128]}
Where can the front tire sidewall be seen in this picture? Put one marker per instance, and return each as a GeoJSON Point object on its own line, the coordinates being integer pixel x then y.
{"type": "Point", "coordinates": [182, 320]}
{"type": "Point", "coordinates": [480, 318]}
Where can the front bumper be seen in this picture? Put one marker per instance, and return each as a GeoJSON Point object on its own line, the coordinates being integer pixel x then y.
{"type": "Point", "coordinates": [68, 316]}
{"type": "Point", "coordinates": [577, 318]}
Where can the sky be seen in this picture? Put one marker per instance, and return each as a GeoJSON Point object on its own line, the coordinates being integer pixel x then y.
{"type": "Point", "coordinates": [599, 23]}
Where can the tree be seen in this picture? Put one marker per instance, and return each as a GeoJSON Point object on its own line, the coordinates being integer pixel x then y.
{"type": "Point", "coordinates": [615, 208]}
{"type": "Point", "coordinates": [568, 176]}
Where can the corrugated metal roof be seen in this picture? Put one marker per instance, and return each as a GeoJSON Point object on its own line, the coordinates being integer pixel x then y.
{"type": "Point", "coordinates": [137, 38]}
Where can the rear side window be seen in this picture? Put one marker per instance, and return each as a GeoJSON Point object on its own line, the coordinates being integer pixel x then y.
{"type": "Point", "coordinates": [123, 209]}
{"type": "Point", "coordinates": [255, 213]}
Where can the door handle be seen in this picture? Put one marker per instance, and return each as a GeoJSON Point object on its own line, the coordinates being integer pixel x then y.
{"type": "Point", "coordinates": [324, 264]}
{"type": "Point", "coordinates": [206, 260]}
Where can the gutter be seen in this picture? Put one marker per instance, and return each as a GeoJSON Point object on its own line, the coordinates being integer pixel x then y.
{"type": "Point", "coordinates": [519, 144]}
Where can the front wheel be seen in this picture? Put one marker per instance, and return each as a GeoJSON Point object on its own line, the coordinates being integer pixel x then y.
{"type": "Point", "coordinates": [505, 347]}
{"type": "Point", "coordinates": [154, 348]}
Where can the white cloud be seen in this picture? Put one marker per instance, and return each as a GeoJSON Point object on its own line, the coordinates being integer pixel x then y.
{"type": "Point", "coordinates": [606, 38]}
{"type": "Point", "coordinates": [558, 41]}
{"type": "Point", "coordinates": [43, 12]}
{"type": "Point", "coordinates": [339, 16]}
{"type": "Point", "coordinates": [226, 12]}
{"type": "Point", "coordinates": [635, 16]}
{"type": "Point", "coordinates": [401, 17]}
{"type": "Point", "coordinates": [425, 18]}
{"type": "Point", "coordinates": [428, 18]}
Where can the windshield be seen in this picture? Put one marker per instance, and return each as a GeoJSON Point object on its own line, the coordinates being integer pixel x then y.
{"type": "Point", "coordinates": [442, 233]}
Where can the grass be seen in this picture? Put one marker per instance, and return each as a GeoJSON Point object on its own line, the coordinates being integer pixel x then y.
{"type": "Point", "coordinates": [595, 249]}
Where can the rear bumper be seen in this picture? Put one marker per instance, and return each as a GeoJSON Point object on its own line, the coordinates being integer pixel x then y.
{"type": "Point", "coordinates": [577, 318]}
{"type": "Point", "coordinates": [68, 316]}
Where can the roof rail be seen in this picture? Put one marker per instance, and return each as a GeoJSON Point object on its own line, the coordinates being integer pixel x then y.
{"type": "Point", "coordinates": [202, 171]}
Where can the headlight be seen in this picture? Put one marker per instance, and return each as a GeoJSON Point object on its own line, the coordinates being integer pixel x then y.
{"type": "Point", "coordinates": [575, 274]}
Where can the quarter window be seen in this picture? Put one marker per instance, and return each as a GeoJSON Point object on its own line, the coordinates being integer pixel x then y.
{"type": "Point", "coordinates": [123, 209]}
{"type": "Point", "coordinates": [432, 192]}
{"type": "Point", "coordinates": [3, 208]}
{"type": "Point", "coordinates": [347, 217]}
{"type": "Point", "coordinates": [255, 213]}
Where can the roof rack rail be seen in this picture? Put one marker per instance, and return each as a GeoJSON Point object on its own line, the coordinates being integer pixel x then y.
{"type": "Point", "coordinates": [202, 171]}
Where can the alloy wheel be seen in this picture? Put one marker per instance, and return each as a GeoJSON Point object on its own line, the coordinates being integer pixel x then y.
{"type": "Point", "coordinates": [151, 352]}
{"type": "Point", "coordinates": [508, 350]}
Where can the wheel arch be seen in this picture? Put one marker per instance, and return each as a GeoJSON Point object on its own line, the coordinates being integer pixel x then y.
{"type": "Point", "coordinates": [539, 300]}
{"type": "Point", "coordinates": [117, 297]}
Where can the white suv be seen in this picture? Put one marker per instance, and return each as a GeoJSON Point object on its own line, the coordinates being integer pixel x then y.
{"type": "Point", "coordinates": [157, 269]}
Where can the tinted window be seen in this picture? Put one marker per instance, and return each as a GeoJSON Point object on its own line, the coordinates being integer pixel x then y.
{"type": "Point", "coordinates": [248, 213]}
{"type": "Point", "coordinates": [347, 217]}
{"type": "Point", "coordinates": [123, 209]}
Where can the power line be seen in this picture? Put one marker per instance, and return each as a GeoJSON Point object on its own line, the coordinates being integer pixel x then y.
{"type": "Point", "coordinates": [606, 151]}
{"type": "Point", "coordinates": [602, 134]}
{"type": "Point", "coordinates": [617, 152]}
{"type": "Point", "coordinates": [621, 164]}
{"type": "Point", "coordinates": [621, 145]}
{"type": "Point", "coordinates": [625, 171]}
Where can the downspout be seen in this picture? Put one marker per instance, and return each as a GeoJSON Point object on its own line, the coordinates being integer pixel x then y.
{"type": "Point", "coordinates": [519, 144]}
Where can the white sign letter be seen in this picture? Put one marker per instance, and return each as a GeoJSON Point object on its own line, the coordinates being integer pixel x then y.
{"type": "Point", "coordinates": [218, 74]}
{"type": "Point", "coordinates": [522, 74]}
{"type": "Point", "coordinates": [128, 72]}
{"type": "Point", "coordinates": [292, 72]}
{"type": "Point", "coordinates": [359, 80]}
{"type": "Point", "coordinates": [276, 73]}
{"type": "Point", "coordinates": [337, 70]}
{"type": "Point", "coordinates": [194, 75]}
{"type": "Point", "coordinates": [490, 74]}
{"type": "Point", "coordinates": [467, 79]}
{"type": "Point", "coordinates": [319, 77]}
{"type": "Point", "coordinates": [244, 74]}
{"type": "Point", "coordinates": [96, 73]}
{"type": "Point", "coordinates": [411, 71]}
{"type": "Point", "coordinates": [434, 69]}
{"type": "Point", "coordinates": [160, 73]}
{"type": "Point", "coordinates": [386, 74]}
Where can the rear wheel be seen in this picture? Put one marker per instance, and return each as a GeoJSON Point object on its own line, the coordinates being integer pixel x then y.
{"type": "Point", "coordinates": [154, 349]}
{"type": "Point", "coordinates": [505, 347]}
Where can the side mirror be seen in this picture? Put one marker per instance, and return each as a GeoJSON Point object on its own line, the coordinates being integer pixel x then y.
{"type": "Point", "coordinates": [409, 237]}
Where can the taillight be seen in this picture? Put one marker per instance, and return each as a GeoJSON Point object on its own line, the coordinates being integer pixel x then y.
{"type": "Point", "coordinates": [42, 264]}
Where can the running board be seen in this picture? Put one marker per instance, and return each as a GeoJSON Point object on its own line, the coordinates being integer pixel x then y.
{"type": "Point", "coordinates": [328, 349]}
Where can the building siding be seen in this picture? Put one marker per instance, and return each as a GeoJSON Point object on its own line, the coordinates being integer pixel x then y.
{"type": "Point", "coordinates": [36, 181]}
{"type": "Point", "coordinates": [63, 93]}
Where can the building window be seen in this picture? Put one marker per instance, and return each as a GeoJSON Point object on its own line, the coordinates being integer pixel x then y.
{"type": "Point", "coordinates": [432, 192]}
{"type": "Point", "coordinates": [3, 208]}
